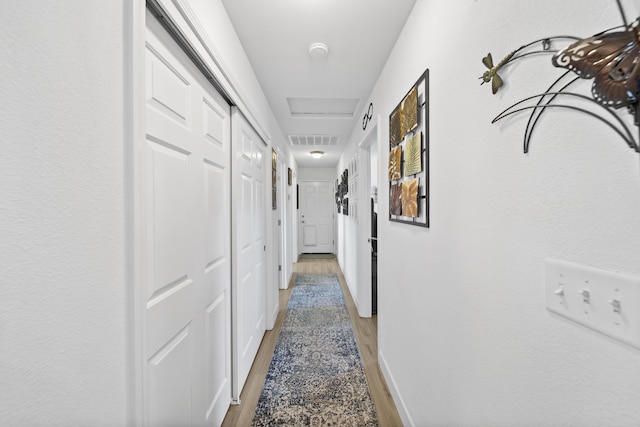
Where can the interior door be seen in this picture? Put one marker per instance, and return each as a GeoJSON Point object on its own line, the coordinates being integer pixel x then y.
{"type": "Point", "coordinates": [249, 223]}
{"type": "Point", "coordinates": [316, 217]}
{"type": "Point", "coordinates": [186, 251]}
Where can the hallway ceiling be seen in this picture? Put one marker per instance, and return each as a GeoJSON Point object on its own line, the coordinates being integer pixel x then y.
{"type": "Point", "coordinates": [317, 101]}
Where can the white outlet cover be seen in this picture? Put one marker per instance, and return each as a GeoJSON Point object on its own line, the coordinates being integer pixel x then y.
{"type": "Point", "coordinates": [564, 294]}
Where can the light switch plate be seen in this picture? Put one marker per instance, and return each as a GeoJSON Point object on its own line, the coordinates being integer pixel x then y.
{"type": "Point", "coordinates": [602, 300]}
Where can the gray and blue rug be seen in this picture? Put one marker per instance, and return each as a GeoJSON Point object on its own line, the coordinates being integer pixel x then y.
{"type": "Point", "coordinates": [316, 376]}
{"type": "Point", "coordinates": [303, 257]}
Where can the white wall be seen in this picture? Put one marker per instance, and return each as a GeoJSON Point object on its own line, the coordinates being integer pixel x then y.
{"type": "Point", "coordinates": [340, 239]}
{"type": "Point", "coordinates": [346, 246]}
{"type": "Point", "coordinates": [348, 259]}
{"type": "Point", "coordinates": [317, 174]}
{"type": "Point", "coordinates": [464, 337]}
{"type": "Point", "coordinates": [63, 318]}
{"type": "Point", "coordinates": [62, 220]}
{"type": "Point", "coordinates": [312, 174]}
{"type": "Point", "coordinates": [353, 245]}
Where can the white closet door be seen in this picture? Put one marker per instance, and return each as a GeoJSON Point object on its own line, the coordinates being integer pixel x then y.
{"type": "Point", "coordinates": [249, 219]}
{"type": "Point", "coordinates": [185, 215]}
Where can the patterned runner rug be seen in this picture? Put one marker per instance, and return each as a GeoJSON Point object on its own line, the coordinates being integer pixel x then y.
{"type": "Point", "coordinates": [316, 376]}
{"type": "Point", "coordinates": [316, 256]}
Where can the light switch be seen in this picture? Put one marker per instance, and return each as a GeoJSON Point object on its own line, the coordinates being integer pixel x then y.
{"type": "Point", "coordinates": [604, 301]}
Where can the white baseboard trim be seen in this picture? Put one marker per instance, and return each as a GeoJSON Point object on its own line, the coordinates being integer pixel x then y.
{"type": "Point", "coordinates": [274, 316]}
{"type": "Point", "coordinates": [354, 297]}
{"type": "Point", "coordinates": [395, 393]}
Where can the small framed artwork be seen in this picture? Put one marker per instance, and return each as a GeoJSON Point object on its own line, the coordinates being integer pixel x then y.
{"type": "Point", "coordinates": [353, 166]}
{"type": "Point", "coordinates": [273, 199]}
{"type": "Point", "coordinates": [274, 180]}
{"type": "Point", "coordinates": [408, 166]}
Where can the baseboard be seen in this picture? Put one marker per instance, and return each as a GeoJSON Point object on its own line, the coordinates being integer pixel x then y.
{"type": "Point", "coordinates": [354, 298]}
{"type": "Point", "coordinates": [395, 393]}
{"type": "Point", "coordinates": [274, 316]}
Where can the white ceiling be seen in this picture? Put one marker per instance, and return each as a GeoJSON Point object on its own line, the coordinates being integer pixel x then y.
{"type": "Point", "coordinates": [318, 100]}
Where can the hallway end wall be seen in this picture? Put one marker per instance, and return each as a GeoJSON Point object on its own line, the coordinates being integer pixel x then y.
{"type": "Point", "coordinates": [464, 336]}
{"type": "Point", "coordinates": [317, 174]}
{"type": "Point", "coordinates": [314, 174]}
{"type": "Point", "coordinates": [63, 316]}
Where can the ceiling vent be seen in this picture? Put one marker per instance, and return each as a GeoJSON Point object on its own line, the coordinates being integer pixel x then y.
{"type": "Point", "coordinates": [328, 108]}
{"type": "Point", "coordinates": [313, 140]}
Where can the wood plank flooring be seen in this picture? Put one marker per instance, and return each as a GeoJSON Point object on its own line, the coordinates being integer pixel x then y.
{"type": "Point", "coordinates": [366, 331]}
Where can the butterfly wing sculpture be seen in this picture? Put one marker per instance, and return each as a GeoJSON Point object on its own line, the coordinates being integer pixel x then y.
{"type": "Point", "coordinates": [612, 59]}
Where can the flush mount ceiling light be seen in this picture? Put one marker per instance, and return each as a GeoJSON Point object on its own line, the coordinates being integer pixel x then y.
{"type": "Point", "coordinates": [317, 154]}
{"type": "Point", "coordinates": [318, 50]}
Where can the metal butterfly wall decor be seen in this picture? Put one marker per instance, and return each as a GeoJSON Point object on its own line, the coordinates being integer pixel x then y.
{"type": "Point", "coordinates": [611, 58]}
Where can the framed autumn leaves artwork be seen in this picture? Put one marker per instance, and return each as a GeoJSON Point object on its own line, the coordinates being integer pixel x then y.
{"type": "Point", "coordinates": [409, 156]}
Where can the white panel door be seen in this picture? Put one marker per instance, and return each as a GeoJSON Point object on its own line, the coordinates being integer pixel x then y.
{"type": "Point", "coordinates": [185, 214]}
{"type": "Point", "coordinates": [317, 217]}
{"type": "Point", "coordinates": [249, 220]}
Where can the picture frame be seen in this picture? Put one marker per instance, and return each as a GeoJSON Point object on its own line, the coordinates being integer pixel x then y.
{"type": "Point", "coordinates": [274, 179]}
{"type": "Point", "coordinates": [409, 143]}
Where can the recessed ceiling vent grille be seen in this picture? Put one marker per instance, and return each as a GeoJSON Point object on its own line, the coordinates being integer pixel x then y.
{"type": "Point", "coordinates": [313, 140]}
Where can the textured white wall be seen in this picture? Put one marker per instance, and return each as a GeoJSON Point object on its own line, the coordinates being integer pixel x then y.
{"type": "Point", "coordinates": [314, 174]}
{"type": "Point", "coordinates": [349, 259]}
{"type": "Point", "coordinates": [317, 174]}
{"type": "Point", "coordinates": [464, 334]}
{"type": "Point", "coordinates": [62, 292]}
{"type": "Point", "coordinates": [340, 238]}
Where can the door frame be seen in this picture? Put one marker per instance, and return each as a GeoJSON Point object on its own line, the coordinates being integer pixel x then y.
{"type": "Point", "coordinates": [299, 222]}
{"type": "Point", "coordinates": [292, 230]}
{"type": "Point", "coordinates": [135, 123]}
{"type": "Point", "coordinates": [237, 117]}
{"type": "Point", "coordinates": [364, 219]}
{"type": "Point", "coordinates": [282, 234]}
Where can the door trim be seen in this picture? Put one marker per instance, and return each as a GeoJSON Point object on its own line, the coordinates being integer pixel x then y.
{"type": "Point", "coordinates": [134, 133]}
{"type": "Point", "coordinates": [237, 118]}
{"type": "Point", "coordinates": [364, 219]}
{"type": "Point", "coordinates": [283, 275]}
{"type": "Point", "coordinates": [300, 231]}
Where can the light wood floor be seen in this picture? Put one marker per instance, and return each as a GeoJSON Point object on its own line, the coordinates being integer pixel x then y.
{"type": "Point", "coordinates": [366, 331]}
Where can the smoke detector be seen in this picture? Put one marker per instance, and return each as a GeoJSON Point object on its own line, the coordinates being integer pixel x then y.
{"type": "Point", "coordinates": [318, 50]}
